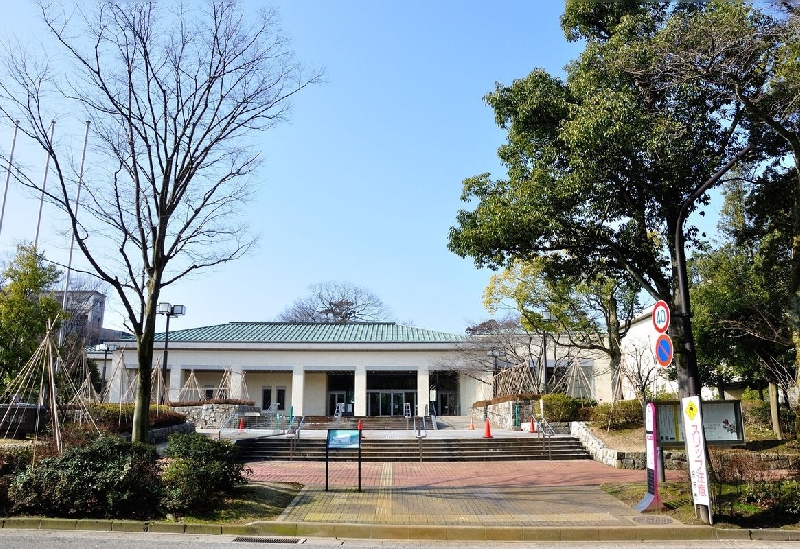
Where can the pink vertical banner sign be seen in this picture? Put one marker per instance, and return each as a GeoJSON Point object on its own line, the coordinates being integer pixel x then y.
{"type": "Point", "coordinates": [651, 500]}
{"type": "Point", "coordinates": [696, 450]}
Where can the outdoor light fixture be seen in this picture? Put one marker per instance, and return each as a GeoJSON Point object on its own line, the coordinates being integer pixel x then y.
{"type": "Point", "coordinates": [169, 311]}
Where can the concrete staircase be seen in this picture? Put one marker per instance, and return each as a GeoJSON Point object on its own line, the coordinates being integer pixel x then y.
{"type": "Point", "coordinates": [383, 423]}
{"type": "Point", "coordinates": [453, 448]}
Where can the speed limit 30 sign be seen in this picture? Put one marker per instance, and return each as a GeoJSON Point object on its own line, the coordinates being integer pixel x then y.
{"type": "Point", "coordinates": [661, 316]}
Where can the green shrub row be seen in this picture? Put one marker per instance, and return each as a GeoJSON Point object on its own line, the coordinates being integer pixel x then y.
{"type": "Point", "coordinates": [110, 477]}
{"type": "Point", "coordinates": [618, 415]}
{"type": "Point", "coordinates": [118, 418]}
{"type": "Point", "coordinates": [563, 408]}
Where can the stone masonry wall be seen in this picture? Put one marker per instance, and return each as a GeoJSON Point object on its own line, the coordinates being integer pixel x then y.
{"type": "Point", "coordinates": [212, 416]}
{"type": "Point", "coordinates": [617, 459]}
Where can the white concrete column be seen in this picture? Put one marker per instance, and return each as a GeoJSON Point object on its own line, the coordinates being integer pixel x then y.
{"type": "Point", "coordinates": [423, 391]}
{"type": "Point", "coordinates": [237, 382]}
{"type": "Point", "coordinates": [174, 385]}
{"type": "Point", "coordinates": [298, 388]}
{"type": "Point", "coordinates": [360, 391]}
{"type": "Point", "coordinates": [114, 372]}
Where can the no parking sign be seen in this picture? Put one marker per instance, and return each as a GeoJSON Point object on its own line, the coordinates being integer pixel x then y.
{"type": "Point", "coordinates": [664, 350]}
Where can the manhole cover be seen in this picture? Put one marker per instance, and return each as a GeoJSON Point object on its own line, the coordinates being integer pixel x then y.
{"type": "Point", "coordinates": [653, 520]}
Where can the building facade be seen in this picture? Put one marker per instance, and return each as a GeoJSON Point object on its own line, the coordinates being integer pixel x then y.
{"type": "Point", "coordinates": [369, 369]}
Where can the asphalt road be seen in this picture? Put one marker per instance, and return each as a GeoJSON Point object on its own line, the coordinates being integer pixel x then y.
{"type": "Point", "coordinates": [50, 539]}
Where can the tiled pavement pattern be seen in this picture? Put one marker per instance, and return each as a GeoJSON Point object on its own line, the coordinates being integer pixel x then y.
{"type": "Point", "coordinates": [509, 493]}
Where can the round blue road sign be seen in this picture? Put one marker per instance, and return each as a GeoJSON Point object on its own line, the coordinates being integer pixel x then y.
{"type": "Point", "coordinates": [664, 350]}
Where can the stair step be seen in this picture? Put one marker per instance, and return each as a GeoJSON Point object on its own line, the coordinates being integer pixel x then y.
{"type": "Point", "coordinates": [449, 449]}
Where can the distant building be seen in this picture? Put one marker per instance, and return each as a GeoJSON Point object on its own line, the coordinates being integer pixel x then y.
{"type": "Point", "coordinates": [86, 309]}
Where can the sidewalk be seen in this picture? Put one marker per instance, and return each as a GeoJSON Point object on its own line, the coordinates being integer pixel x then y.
{"type": "Point", "coordinates": [503, 500]}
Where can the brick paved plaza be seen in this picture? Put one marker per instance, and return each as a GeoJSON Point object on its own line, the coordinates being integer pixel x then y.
{"type": "Point", "coordinates": [503, 493]}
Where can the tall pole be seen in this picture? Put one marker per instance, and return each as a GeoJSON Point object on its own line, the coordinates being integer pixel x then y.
{"type": "Point", "coordinates": [44, 183]}
{"type": "Point", "coordinates": [8, 174]}
{"type": "Point", "coordinates": [693, 384]}
{"type": "Point", "coordinates": [72, 241]}
{"type": "Point", "coordinates": [164, 363]}
{"type": "Point", "coordinates": [544, 362]}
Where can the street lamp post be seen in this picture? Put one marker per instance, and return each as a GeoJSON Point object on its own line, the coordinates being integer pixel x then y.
{"type": "Point", "coordinates": [548, 319]}
{"type": "Point", "coordinates": [105, 347]}
{"type": "Point", "coordinates": [169, 311]}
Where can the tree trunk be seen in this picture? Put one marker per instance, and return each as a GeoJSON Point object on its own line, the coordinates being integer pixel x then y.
{"type": "Point", "coordinates": [144, 354]}
{"type": "Point", "coordinates": [774, 408]}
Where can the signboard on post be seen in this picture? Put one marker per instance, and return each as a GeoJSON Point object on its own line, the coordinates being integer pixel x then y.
{"type": "Point", "coordinates": [722, 423]}
{"type": "Point", "coordinates": [343, 439]}
{"type": "Point", "coordinates": [651, 500]}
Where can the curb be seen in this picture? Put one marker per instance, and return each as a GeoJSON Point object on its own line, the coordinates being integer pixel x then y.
{"type": "Point", "coordinates": [410, 532]}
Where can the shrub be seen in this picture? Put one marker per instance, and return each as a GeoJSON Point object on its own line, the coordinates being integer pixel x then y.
{"type": "Point", "coordinates": [201, 470]}
{"type": "Point", "coordinates": [619, 415]}
{"type": "Point", "coordinates": [116, 418]}
{"type": "Point", "coordinates": [559, 407]}
{"type": "Point", "coordinates": [13, 461]}
{"type": "Point", "coordinates": [109, 478]}
{"type": "Point", "coordinates": [758, 413]}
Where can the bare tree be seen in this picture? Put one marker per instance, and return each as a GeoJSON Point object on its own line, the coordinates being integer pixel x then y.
{"type": "Point", "coordinates": [640, 371]}
{"type": "Point", "coordinates": [172, 93]}
{"type": "Point", "coordinates": [336, 303]}
{"type": "Point", "coordinates": [496, 345]}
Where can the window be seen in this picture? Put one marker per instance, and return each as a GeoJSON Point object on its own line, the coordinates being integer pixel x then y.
{"type": "Point", "coordinates": [266, 397]}
{"type": "Point", "coordinates": [281, 400]}
{"type": "Point", "coordinates": [209, 391]}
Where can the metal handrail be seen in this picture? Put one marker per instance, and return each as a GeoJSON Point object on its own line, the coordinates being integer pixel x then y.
{"type": "Point", "coordinates": [421, 429]}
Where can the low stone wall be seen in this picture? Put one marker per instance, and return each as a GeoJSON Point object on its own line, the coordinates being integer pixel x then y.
{"type": "Point", "coordinates": [618, 459]}
{"type": "Point", "coordinates": [158, 436]}
{"type": "Point", "coordinates": [502, 416]}
{"type": "Point", "coordinates": [212, 416]}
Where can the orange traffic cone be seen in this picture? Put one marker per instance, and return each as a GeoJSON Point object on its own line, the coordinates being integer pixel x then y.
{"type": "Point", "coordinates": [471, 424]}
{"type": "Point", "coordinates": [488, 432]}
{"type": "Point", "coordinates": [241, 424]}
{"type": "Point", "coordinates": [533, 425]}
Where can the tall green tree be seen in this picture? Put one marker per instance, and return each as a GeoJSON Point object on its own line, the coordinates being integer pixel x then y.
{"type": "Point", "coordinates": [740, 291]}
{"type": "Point", "coordinates": [600, 165]}
{"type": "Point", "coordinates": [27, 308]}
{"type": "Point", "coordinates": [748, 59]}
{"type": "Point", "coordinates": [592, 314]}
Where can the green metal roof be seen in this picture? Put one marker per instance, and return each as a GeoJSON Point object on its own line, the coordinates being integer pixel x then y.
{"type": "Point", "coordinates": [310, 332]}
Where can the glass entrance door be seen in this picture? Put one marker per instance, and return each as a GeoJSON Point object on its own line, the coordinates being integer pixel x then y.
{"type": "Point", "coordinates": [447, 405]}
{"type": "Point", "coordinates": [388, 403]}
{"type": "Point", "coordinates": [335, 398]}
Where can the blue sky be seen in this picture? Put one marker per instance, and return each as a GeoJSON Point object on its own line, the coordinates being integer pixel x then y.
{"type": "Point", "coordinates": [363, 183]}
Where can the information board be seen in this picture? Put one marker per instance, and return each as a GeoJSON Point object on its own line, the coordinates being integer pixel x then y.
{"type": "Point", "coordinates": [343, 439]}
{"type": "Point", "coordinates": [722, 423]}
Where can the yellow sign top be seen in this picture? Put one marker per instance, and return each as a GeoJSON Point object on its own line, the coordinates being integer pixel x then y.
{"type": "Point", "coordinates": [691, 410]}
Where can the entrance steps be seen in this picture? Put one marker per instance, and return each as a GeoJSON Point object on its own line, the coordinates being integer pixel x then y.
{"type": "Point", "coordinates": [375, 447]}
{"type": "Point", "coordinates": [383, 423]}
